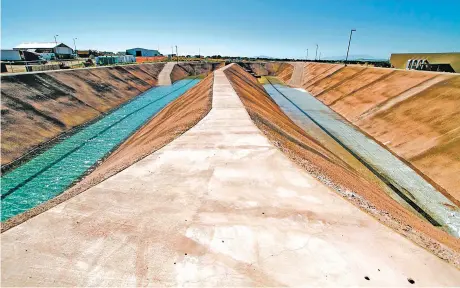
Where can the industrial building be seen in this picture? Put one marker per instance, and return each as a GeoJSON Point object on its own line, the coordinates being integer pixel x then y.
{"type": "Point", "coordinates": [441, 62]}
{"type": "Point", "coordinates": [60, 50]}
{"type": "Point", "coordinates": [142, 52]}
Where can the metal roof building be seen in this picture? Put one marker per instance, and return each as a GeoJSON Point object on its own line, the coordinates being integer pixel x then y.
{"type": "Point", "coordinates": [142, 52]}
{"type": "Point", "coordinates": [46, 47]}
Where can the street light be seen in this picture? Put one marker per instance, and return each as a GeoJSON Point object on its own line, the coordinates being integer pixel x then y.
{"type": "Point", "coordinates": [55, 48]}
{"type": "Point", "coordinates": [349, 41]}
{"type": "Point", "coordinates": [75, 45]}
{"type": "Point", "coordinates": [316, 53]}
{"type": "Point", "coordinates": [177, 55]}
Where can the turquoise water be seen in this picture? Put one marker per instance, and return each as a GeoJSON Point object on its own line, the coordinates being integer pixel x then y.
{"type": "Point", "coordinates": [50, 173]}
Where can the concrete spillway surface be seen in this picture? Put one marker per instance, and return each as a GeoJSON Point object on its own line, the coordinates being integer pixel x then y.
{"type": "Point", "coordinates": [50, 173]}
{"type": "Point", "coordinates": [298, 103]}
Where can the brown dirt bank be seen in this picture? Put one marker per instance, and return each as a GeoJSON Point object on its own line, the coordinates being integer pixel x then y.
{"type": "Point", "coordinates": [327, 168]}
{"type": "Point", "coordinates": [183, 70]}
{"type": "Point", "coordinates": [175, 119]}
{"type": "Point", "coordinates": [416, 115]}
{"type": "Point", "coordinates": [280, 69]}
{"type": "Point", "coordinates": [41, 106]}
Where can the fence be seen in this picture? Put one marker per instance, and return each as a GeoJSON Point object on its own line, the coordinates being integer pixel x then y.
{"type": "Point", "coordinates": [108, 60]}
{"type": "Point", "coordinates": [39, 65]}
{"type": "Point", "coordinates": [151, 59]}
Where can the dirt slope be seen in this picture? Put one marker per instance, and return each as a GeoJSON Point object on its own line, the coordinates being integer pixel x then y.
{"type": "Point", "coordinates": [322, 163]}
{"type": "Point", "coordinates": [183, 70]}
{"type": "Point", "coordinates": [280, 69]}
{"type": "Point", "coordinates": [38, 107]}
{"type": "Point", "coordinates": [176, 118]}
{"type": "Point", "coordinates": [284, 72]}
{"type": "Point", "coordinates": [416, 115]}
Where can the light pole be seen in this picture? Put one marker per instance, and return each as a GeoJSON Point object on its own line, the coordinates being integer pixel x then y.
{"type": "Point", "coordinates": [75, 45]}
{"type": "Point", "coordinates": [55, 42]}
{"type": "Point", "coordinates": [349, 41]}
{"type": "Point", "coordinates": [316, 53]}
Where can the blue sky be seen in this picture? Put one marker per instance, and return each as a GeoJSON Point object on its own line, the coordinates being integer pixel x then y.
{"type": "Point", "coordinates": [238, 27]}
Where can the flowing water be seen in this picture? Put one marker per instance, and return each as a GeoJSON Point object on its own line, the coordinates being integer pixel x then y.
{"type": "Point", "coordinates": [298, 104]}
{"type": "Point", "coordinates": [52, 172]}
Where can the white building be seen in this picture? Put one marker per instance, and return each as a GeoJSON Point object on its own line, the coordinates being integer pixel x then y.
{"type": "Point", "coordinates": [59, 49]}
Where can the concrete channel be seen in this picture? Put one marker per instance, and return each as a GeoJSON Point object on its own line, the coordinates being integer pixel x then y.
{"type": "Point", "coordinates": [218, 206]}
{"type": "Point", "coordinates": [407, 184]}
{"type": "Point", "coordinates": [51, 172]}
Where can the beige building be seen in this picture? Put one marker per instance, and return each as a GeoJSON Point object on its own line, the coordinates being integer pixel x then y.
{"type": "Point", "coordinates": [446, 62]}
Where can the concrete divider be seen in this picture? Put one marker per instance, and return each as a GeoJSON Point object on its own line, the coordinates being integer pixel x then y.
{"type": "Point", "coordinates": [164, 78]}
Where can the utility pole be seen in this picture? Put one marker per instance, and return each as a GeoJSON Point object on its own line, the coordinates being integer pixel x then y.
{"type": "Point", "coordinates": [316, 53]}
{"type": "Point", "coordinates": [177, 55]}
{"type": "Point", "coordinates": [349, 41]}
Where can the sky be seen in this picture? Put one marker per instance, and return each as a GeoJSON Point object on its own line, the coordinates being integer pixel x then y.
{"type": "Point", "coordinates": [280, 28]}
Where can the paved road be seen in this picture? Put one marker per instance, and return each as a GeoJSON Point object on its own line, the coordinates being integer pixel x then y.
{"type": "Point", "coordinates": [164, 78]}
{"type": "Point", "coordinates": [393, 169]}
{"type": "Point", "coordinates": [218, 206]}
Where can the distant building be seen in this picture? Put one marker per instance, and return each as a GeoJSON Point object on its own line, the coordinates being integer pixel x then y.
{"type": "Point", "coordinates": [59, 49]}
{"type": "Point", "coordinates": [83, 53]}
{"type": "Point", "coordinates": [141, 52]}
{"type": "Point", "coordinates": [10, 55]}
{"type": "Point", "coordinates": [442, 62]}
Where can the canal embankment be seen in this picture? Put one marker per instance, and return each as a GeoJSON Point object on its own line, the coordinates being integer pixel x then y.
{"type": "Point", "coordinates": [37, 108]}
